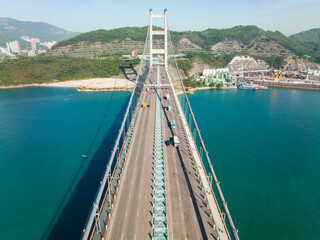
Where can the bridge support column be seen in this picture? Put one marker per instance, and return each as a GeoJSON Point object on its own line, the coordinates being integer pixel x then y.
{"type": "Point", "coordinates": [163, 51]}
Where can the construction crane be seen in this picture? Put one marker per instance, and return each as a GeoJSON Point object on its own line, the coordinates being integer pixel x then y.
{"type": "Point", "coordinates": [305, 69]}
{"type": "Point", "coordinates": [279, 74]}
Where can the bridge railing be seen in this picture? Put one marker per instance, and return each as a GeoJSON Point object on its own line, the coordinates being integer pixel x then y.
{"type": "Point", "coordinates": [207, 164]}
{"type": "Point", "coordinates": [202, 151]}
{"type": "Point", "coordinates": [101, 208]}
{"type": "Point", "coordinates": [100, 212]}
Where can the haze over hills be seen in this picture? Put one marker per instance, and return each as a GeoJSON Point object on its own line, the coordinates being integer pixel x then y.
{"type": "Point", "coordinates": [243, 40]}
{"type": "Point", "coordinates": [12, 29]}
{"type": "Point", "coordinates": [312, 35]}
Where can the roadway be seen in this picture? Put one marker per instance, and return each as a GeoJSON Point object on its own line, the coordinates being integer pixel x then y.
{"type": "Point", "coordinates": [188, 216]}
{"type": "Point", "coordinates": [132, 209]}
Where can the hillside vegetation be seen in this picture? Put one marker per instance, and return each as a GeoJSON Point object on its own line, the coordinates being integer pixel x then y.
{"type": "Point", "coordinates": [41, 69]}
{"type": "Point", "coordinates": [107, 36]}
{"type": "Point", "coordinates": [312, 35]}
{"type": "Point", "coordinates": [249, 37]}
{"type": "Point", "coordinates": [12, 29]}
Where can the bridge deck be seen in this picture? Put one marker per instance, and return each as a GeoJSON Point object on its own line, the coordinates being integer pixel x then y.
{"type": "Point", "coordinates": [188, 216]}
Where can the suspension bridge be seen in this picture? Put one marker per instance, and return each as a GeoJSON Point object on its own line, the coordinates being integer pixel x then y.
{"type": "Point", "coordinates": [159, 182]}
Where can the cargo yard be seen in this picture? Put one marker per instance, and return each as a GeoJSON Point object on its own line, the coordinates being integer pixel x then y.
{"type": "Point", "coordinates": [237, 73]}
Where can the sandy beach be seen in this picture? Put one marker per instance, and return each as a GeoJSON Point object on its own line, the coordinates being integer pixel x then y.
{"type": "Point", "coordinates": [94, 84]}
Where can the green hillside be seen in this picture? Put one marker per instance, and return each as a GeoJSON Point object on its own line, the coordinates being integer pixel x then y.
{"type": "Point", "coordinates": [204, 39]}
{"type": "Point", "coordinates": [46, 32]}
{"type": "Point", "coordinates": [312, 35]}
{"type": "Point", "coordinates": [40, 69]}
{"type": "Point", "coordinates": [4, 38]}
{"type": "Point", "coordinates": [107, 36]}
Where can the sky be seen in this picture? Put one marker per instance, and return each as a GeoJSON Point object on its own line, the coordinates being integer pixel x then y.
{"type": "Point", "coordinates": [287, 16]}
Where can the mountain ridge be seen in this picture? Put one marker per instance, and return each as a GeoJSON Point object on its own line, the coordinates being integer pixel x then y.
{"type": "Point", "coordinates": [13, 28]}
{"type": "Point", "coordinates": [311, 35]}
{"type": "Point", "coordinates": [250, 40]}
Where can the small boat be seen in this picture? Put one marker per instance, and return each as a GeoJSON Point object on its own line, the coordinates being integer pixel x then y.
{"type": "Point", "coordinates": [84, 156]}
{"type": "Point", "coordinates": [247, 87]}
{"type": "Point", "coordinates": [262, 87]}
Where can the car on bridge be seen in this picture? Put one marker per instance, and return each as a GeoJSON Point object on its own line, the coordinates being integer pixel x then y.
{"type": "Point", "coordinates": [172, 124]}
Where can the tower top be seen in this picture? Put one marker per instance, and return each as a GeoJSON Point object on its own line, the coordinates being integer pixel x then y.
{"type": "Point", "coordinates": [158, 51]}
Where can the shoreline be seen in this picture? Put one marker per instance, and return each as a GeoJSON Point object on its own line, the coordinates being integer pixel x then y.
{"type": "Point", "coordinates": [193, 90]}
{"type": "Point", "coordinates": [87, 85]}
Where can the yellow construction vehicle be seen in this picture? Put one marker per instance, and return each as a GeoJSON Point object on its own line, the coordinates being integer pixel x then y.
{"type": "Point", "coordinates": [279, 74]}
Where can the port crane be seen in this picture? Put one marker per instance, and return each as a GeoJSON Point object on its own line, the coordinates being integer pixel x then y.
{"type": "Point", "coordinates": [279, 74]}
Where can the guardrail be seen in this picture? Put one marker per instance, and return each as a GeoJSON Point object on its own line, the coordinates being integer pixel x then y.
{"type": "Point", "coordinates": [110, 180]}
{"type": "Point", "coordinates": [204, 156]}
{"type": "Point", "coordinates": [117, 156]}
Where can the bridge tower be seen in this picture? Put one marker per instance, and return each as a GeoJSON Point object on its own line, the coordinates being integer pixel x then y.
{"type": "Point", "coordinates": [163, 51]}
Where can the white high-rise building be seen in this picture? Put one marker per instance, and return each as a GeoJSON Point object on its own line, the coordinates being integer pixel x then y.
{"type": "Point", "coordinates": [6, 52]}
{"type": "Point", "coordinates": [13, 47]}
{"type": "Point", "coordinates": [34, 43]}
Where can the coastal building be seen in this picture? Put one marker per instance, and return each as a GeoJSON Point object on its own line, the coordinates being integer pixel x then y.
{"type": "Point", "coordinates": [210, 72]}
{"type": "Point", "coordinates": [34, 42]}
{"type": "Point", "coordinates": [220, 75]}
{"type": "Point", "coordinates": [5, 52]}
{"type": "Point", "coordinates": [32, 53]}
{"type": "Point", "coordinates": [13, 47]}
{"type": "Point", "coordinates": [134, 53]}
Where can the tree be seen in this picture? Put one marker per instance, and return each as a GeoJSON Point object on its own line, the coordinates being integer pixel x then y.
{"type": "Point", "coordinates": [219, 85]}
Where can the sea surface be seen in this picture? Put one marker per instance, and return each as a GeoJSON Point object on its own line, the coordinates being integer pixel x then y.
{"type": "Point", "coordinates": [264, 147]}
{"type": "Point", "coordinates": [46, 187]}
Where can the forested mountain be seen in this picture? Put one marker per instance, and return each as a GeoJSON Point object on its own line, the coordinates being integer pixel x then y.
{"type": "Point", "coordinates": [43, 69]}
{"type": "Point", "coordinates": [12, 28]}
{"type": "Point", "coordinates": [249, 40]}
{"type": "Point", "coordinates": [312, 35]}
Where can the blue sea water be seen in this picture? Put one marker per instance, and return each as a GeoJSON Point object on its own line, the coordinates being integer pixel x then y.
{"type": "Point", "coordinates": [43, 133]}
{"type": "Point", "coordinates": [264, 147]}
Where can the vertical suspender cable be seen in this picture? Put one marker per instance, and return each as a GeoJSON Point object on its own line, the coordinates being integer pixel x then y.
{"type": "Point", "coordinates": [234, 230]}
{"type": "Point", "coordinates": [97, 200]}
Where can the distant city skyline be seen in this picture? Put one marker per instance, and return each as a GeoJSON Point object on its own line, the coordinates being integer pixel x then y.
{"type": "Point", "coordinates": [289, 17]}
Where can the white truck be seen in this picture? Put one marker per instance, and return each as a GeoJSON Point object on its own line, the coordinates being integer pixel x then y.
{"type": "Point", "coordinates": [167, 96]}
{"type": "Point", "coordinates": [176, 142]}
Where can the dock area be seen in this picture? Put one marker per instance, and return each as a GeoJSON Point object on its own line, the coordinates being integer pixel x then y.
{"type": "Point", "coordinates": [288, 84]}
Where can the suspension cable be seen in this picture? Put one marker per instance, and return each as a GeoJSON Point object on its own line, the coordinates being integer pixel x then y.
{"type": "Point", "coordinates": [235, 233]}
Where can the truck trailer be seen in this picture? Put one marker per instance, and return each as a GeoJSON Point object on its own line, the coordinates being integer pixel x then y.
{"type": "Point", "coordinates": [176, 142]}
